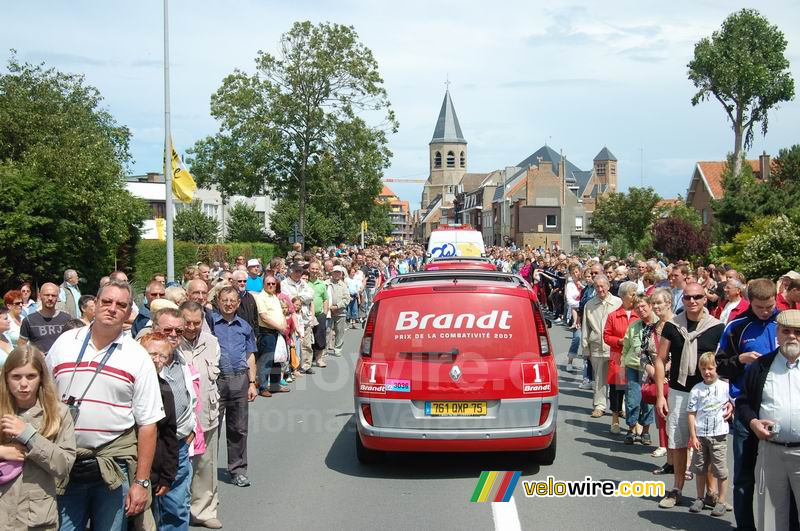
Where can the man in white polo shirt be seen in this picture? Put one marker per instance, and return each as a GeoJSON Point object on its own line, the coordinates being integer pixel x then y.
{"type": "Point", "coordinates": [110, 384]}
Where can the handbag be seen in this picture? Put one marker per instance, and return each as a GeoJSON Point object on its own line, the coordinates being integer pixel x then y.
{"type": "Point", "coordinates": [281, 352]}
{"type": "Point", "coordinates": [649, 392]}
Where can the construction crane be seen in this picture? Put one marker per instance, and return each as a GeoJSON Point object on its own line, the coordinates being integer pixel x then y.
{"type": "Point", "coordinates": [409, 181]}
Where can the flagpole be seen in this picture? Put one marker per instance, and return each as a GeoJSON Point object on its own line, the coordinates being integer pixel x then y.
{"type": "Point", "coordinates": [168, 152]}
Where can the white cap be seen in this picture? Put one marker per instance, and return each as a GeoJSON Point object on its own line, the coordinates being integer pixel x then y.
{"type": "Point", "coordinates": [253, 262]}
{"type": "Point", "coordinates": [340, 269]}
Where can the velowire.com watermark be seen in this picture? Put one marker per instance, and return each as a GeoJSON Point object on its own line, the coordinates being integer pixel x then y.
{"type": "Point", "coordinates": [589, 488]}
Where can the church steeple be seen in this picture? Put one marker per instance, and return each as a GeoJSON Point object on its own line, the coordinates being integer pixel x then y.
{"type": "Point", "coordinates": [448, 130]}
{"type": "Point", "coordinates": [448, 156]}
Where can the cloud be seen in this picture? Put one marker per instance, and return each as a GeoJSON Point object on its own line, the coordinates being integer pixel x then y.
{"type": "Point", "coordinates": [525, 83]}
{"type": "Point", "coordinates": [56, 58]}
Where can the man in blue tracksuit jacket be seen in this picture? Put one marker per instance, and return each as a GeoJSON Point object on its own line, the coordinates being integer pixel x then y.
{"type": "Point", "coordinates": [744, 340]}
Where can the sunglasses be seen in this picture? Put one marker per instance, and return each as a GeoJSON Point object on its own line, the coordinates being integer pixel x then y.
{"type": "Point", "coordinates": [270, 283]}
{"type": "Point", "coordinates": [169, 331]}
{"type": "Point", "coordinates": [16, 303]}
{"type": "Point", "coordinates": [693, 297]}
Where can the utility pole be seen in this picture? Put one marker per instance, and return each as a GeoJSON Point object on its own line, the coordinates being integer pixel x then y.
{"type": "Point", "coordinates": [168, 153]}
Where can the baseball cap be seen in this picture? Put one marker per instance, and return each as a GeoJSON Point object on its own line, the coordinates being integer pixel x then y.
{"type": "Point", "coordinates": [794, 275]}
{"type": "Point", "coordinates": [253, 262]}
{"type": "Point", "coordinates": [340, 269]}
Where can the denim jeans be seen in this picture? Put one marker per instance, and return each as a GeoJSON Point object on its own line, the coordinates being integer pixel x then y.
{"type": "Point", "coordinates": [745, 450]}
{"type": "Point", "coordinates": [267, 371]}
{"type": "Point", "coordinates": [171, 511]}
{"type": "Point", "coordinates": [575, 344]}
{"type": "Point", "coordinates": [352, 309]}
{"type": "Point", "coordinates": [84, 501]}
{"type": "Point", "coordinates": [636, 410]}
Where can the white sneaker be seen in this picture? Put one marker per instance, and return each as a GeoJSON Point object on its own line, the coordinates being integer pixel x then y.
{"type": "Point", "coordinates": [586, 384]}
{"type": "Point", "coordinates": [659, 452]}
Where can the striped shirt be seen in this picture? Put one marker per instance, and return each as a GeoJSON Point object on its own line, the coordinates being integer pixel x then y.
{"type": "Point", "coordinates": [125, 392]}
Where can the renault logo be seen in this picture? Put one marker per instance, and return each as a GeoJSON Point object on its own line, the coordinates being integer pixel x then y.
{"type": "Point", "coordinates": [455, 373]}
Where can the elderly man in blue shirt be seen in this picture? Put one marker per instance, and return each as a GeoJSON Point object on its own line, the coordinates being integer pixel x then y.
{"type": "Point", "coordinates": [237, 379]}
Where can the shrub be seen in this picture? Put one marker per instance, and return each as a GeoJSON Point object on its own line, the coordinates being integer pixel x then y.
{"type": "Point", "coordinates": [772, 251]}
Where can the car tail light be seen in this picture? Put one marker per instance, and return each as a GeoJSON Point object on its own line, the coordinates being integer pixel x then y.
{"type": "Point", "coordinates": [545, 412]}
{"type": "Point", "coordinates": [369, 331]}
{"type": "Point", "coordinates": [367, 412]}
{"type": "Point", "coordinates": [541, 330]}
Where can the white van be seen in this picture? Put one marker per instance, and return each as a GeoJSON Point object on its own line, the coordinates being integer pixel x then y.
{"type": "Point", "coordinates": [455, 241]}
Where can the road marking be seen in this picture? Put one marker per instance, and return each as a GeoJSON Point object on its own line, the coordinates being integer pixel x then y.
{"type": "Point", "coordinates": [505, 516]}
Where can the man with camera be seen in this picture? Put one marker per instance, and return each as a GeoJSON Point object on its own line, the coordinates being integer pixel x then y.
{"type": "Point", "coordinates": [110, 385]}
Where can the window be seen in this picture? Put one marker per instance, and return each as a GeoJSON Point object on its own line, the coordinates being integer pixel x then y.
{"type": "Point", "coordinates": [451, 159]}
{"type": "Point", "coordinates": [705, 217]}
{"type": "Point", "coordinates": [463, 160]}
{"type": "Point", "coordinates": [550, 221]}
{"type": "Point", "coordinates": [600, 170]}
{"type": "Point", "coordinates": [210, 210]}
{"type": "Point", "coordinates": [613, 170]}
{"type": "Point", "coordinates": [159, 209]}
{"type": "Point", "coordinates": [437, 160]}
{"type": "Point", "coordinates": [578, 223]}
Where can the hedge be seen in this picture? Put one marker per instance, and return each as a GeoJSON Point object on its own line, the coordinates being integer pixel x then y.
{"type": "Point", "coordinates": [151, 256]}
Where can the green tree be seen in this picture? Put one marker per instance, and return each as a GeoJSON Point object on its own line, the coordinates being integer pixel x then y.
{"type": "Point", "coordinates": [743, 66]}
{"type": "Point", "coordinates": [62, 162]}
{"type": "Point", "coordinates": [245, 224]}
{"type": "Point", "coordinates": [747, 199]}
{"type": "Point", "coordinates": [295, 129]}
{"type": "Point", "coordinates": [625, 219]}
{"type": "Point", "coordinates": [194, 225]}
{"type": "Point", "coordinates": [679, 210]}
{"type": "Point", "coordinates": [773, 250]}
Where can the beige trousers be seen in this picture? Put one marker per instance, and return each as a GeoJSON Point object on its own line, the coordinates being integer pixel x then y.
{"type": "Point", "coordinates": [205, 498]}
{"type": "Point", "coordinates": [600, 383]}
{"type": "Point", "coordinates": [306, 348]}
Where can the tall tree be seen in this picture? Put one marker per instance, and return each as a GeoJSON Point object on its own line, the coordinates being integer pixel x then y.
{"type": "Point", "coordinates": [245, 224]}
{"type": "Point", "coordinates": [626, 216]}
{"type": "Point", "coordinates": [295, 129]}
{"type": "Point", "coordinates": [62, 162]}
{"type": "Point", "coordinates": [743, 66]}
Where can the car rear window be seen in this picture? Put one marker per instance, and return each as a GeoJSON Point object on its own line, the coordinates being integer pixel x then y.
{"type": "Point", "coordinates": [492, 325]}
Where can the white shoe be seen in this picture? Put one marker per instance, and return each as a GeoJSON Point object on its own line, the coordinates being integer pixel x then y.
{"type": "Point", "coordinates": [659, 452]}
{"type": "Point", "coordinates": [586, 384]}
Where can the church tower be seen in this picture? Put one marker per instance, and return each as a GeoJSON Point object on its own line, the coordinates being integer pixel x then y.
{"type": "Point", "coordinates": [448, 155]}
{"type": "Point", "coordinates": [605, 169]}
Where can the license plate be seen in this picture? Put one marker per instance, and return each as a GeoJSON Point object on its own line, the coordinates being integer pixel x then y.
{"type": "Point", "coordinates": [455, 409]}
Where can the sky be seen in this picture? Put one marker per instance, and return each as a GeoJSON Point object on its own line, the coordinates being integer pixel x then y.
{"type": "Point", "coordinates": [575, 75]}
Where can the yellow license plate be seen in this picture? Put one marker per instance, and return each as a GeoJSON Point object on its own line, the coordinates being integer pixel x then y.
{"type": "Point", "coordinates": [455, 409]}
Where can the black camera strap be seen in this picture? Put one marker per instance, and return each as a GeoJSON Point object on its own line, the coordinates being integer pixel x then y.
{"type": "Point", "coordinates": [99, 368]}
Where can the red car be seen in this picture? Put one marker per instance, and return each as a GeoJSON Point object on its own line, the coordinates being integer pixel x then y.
{"type": "Point", "coordinates": [456, 361]}
{"type": "Point", "coordinates": [460, 262]}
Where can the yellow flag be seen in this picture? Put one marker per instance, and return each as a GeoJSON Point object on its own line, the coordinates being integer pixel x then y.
{"type": "Point", "coordinates": [161, 229]}
{"type": "Point", "coordinates": [183, 185]}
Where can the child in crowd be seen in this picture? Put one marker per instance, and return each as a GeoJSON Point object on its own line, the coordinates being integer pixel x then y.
{"type": "Point", "coordinates": [708, 433]}
{"type": "Point", "coordinates": [303, 317]}
{"type": "Point", "coordinates": [37, 442]}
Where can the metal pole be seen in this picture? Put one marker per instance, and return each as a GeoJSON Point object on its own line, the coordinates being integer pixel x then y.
{"type": "Point", "coordinates": [362, 234]}
{"type": "Point", "coordinates": [168, 152]}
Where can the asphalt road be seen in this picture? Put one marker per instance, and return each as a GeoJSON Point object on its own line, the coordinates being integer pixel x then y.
{"type": "Point", "coordinates": [305, 475]}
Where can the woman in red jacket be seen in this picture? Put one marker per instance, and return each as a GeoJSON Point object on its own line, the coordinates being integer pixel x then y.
{"type": "Point", "coordinates": [616, 326]}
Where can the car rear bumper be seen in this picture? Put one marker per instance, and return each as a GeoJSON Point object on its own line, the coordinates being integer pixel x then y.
{"type": "Point", "coordinates": [485, 444]}
{"type": "Point", "coordinates": [446, 438]}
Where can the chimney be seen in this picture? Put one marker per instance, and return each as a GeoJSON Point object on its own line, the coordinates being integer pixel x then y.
{"type": "Point", "coordinates": [153, 177]}
{"type": "Point", "coordinates": [764, 166]}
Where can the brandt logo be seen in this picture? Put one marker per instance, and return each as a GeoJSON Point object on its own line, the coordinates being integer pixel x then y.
{"type": "Point", "coordinates": [446, 321]}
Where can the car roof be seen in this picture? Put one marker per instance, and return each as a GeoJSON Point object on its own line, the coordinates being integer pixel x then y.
{"type": "Point", "coordinates": [480, 281]}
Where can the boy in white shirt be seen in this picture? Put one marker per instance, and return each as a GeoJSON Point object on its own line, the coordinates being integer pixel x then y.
{"type": "Point", "coordinates": [708, 433]}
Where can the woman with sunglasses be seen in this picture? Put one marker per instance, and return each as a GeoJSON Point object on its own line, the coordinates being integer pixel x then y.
{"type": "Point", "coordinates": [29, 304]}
{"type": "Point", "coordinates": [13, 302]}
